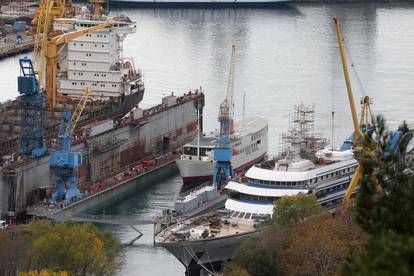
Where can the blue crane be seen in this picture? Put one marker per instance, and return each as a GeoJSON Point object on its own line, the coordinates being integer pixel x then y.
{"type": "Point", "coordinates": [222, 152]}
{"type": "Point", "coordinates": [65, 162]}
{"type": "Point", "coordinates": [31, 107]}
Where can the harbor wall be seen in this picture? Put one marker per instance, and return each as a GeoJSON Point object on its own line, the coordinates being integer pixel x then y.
{"type": "Point", "coordinates": [117, 192]}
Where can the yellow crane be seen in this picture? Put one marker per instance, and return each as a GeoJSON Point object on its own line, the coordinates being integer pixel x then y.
{"type": "Point", "coordinates": [78, 110]}
{"type": "Point", "coordinates": [43, 20]}
{"type": "Point", "coordinates": [51, 53]}
{"type": "Point", "coordinates": [359, 137]}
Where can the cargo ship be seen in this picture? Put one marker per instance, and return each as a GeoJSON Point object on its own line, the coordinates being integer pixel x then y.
{"type": "Point", "coordinates": [202, 3]}
{"type": "Point", "coordinates": [249, 142]}
{"type": "Point", "coordinates": [113, 134]}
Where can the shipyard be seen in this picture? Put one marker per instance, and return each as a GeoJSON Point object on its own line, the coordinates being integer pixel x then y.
{"type": "Point", "coordinates": [207, 137]}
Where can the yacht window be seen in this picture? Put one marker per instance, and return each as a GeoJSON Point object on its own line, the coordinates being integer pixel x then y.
{"type": "Point", "coordinates": [248, 215]}
{"type": "Point", "coordinates": [241, 214]}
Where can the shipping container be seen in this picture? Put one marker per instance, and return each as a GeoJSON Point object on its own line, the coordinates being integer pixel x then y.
{"type": "Point", "coordinates": [19, 25]}
{"type": "Point", "coordinates": [7, 28]}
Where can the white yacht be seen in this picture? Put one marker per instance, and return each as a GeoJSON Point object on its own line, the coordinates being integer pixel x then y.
{"type": "Point", "coordinates": [249, 143]}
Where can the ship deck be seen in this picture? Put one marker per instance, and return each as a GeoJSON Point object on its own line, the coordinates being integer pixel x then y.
{"type": "Point", "coordinates": [210, 226]}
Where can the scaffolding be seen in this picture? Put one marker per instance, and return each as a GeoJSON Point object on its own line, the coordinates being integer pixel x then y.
{"type": "Point", "coordinates": [301, 141]}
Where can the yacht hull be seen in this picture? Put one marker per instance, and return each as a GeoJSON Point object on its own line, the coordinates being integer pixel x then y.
{"type": "Point", "coordinates": [208, 251]}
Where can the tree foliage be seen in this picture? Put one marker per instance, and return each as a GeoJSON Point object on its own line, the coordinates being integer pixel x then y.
{"type": "Point", "coordinates": [44, 249]}
{"type": "Point", "coordinates": [292, 210]}
{"type": "Point", "coordinates": [43, 273]}
{"type": "Point", "coordinates": [79, 249]}
{"type": "Point", "coordinates": [253, 258]}
{"type": "Point", "coordinates": [300, 240]}
{"type": "Point", "coordinates": [384, 207]}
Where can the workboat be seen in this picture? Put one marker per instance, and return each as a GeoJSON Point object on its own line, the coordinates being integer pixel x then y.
{"type": "Point", "coordinates": [249, 143]}
{"type": "Point", "coordinates": [202, 3]}
{"type": "Point", "coordinates": [304, 165]}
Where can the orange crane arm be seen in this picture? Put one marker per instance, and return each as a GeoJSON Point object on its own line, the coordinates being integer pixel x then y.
{"type": "Point", "coordinates": [51, 58]}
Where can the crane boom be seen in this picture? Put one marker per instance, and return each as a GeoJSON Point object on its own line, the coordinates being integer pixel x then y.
{"type": "Point", "coordinates": [360, 150]}
{"type": "Point", "coordinates": [78, 110]}
{"type": "Point", "coordinates": [230, 87]}
{"type": "Point", "coordinates": [357, 130]}
{"type": "Point", "coordinates": [51, 57]}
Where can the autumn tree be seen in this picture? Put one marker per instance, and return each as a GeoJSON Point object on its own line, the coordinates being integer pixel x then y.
{"type": "Point", "coordinates": [13, 251]}
{"type": "Point", "coordinates": [79, 249]}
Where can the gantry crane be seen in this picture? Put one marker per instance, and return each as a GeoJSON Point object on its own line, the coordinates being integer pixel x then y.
{"type": "Point", "coordinates": [64, 161]}
{"type": "Point", "coordinates": [51, 53]}
{"type": "Point", "coordinates": [361, 127]}
{"type": "Point", "coordinates": [31, 112]}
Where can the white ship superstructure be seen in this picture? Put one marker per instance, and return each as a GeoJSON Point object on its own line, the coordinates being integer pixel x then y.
{"type": "Point", "coordinates": [302, 168]}
{"type": "Point", "coordinates": [95, 60]}
{"type": "Point", "coordinates": [249, 143]}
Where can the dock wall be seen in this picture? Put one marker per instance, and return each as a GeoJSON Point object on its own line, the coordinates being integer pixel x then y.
{"type": "Point", "coordinates": [106, 154]}
{"type": "Point", "coordinates": [116, 193]}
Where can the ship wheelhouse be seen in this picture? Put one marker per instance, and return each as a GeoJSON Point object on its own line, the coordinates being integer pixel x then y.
{"type": "Point", "coordinates": [201, 150]}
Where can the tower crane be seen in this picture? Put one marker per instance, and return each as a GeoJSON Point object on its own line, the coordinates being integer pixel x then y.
{"type": "Point", "coordinates": [64, 161]}
{"type": "Point", "coordinates": [222, 153]}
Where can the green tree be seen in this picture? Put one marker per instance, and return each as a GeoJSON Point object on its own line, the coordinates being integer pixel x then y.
{"type": "Point", "coordinates": [384, 207]}
{"type": "Point", "coordinates": [79, 249]}
{"type": "Point", "coordinates": [291, 210]}
{"type": "Point", "coordinates": [253, 258]}
{"type": "Point", "coordinates": [390, 209]}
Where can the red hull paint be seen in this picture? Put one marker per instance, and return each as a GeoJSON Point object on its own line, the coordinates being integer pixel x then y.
{"type": "Point", "coordinates": [188, 180]}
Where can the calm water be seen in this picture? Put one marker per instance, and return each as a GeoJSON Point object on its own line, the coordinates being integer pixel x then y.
{"type": "Point", "coordinates": [284, 57]}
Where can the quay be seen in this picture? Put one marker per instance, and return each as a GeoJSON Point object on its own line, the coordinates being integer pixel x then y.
{"type": "Point", "coordinates": [105, 197]}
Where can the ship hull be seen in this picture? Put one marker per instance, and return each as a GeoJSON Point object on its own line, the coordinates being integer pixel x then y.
{"type": "Point", "coordinates": [193, 172]}
{"type": "Point", "coordinates": [201, 4]}
{"type": "Point", "coordinates": [208, 251]}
